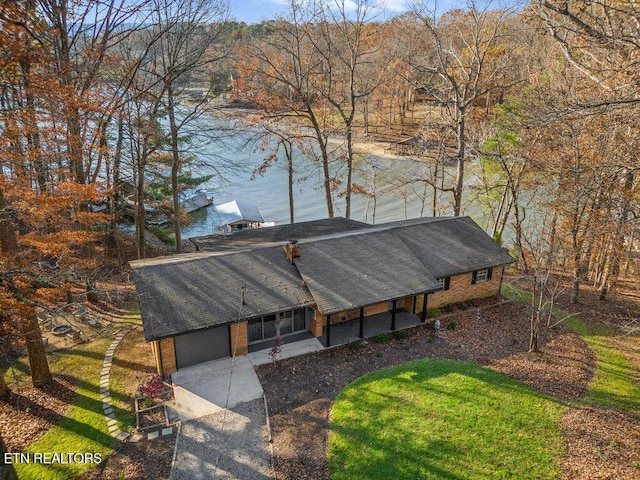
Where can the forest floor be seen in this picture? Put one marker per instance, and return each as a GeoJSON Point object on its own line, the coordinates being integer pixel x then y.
{"type": "Point", "coordinates": [601, 442]}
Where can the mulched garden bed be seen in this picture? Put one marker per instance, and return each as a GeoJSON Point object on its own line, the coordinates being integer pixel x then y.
{"type": "Point", "coordinates": [301, 390]}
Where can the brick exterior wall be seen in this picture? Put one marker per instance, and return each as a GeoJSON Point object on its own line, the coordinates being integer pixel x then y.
{"type": "Point", "coordinates": [461, 289]}
{"type": "Point", "coordinates": [164, 353]}
{"type": "Point", "coordinates": [239, 335]}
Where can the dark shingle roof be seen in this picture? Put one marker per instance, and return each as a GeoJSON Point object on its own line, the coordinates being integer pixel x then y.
{"type": "Point", "coordinates": [345, 265]}
{"type": "Point", "coordinates": [448, 246]}
{"type": "Point", "coordinates": [350, 271]}
{"type": "Point", "coordinates": [190, 292]}
{"type": "Point", "coordinates": [279, 233]}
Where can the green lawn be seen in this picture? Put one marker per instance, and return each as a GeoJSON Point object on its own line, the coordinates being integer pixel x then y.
{"type": "Point", "coordinates": [443, 420]}
{"type": "Point", "coordinates": [83, 429]}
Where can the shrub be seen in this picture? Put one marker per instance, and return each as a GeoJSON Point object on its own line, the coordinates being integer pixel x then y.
{"type": "Point", "coordinates": [401, 334]}
{"type": "Point", "coordinates": [451, 325]}
{"type": "Point", "coordinates": [355, 346]}
{"type": "Point", "coordinates": [152, 387]}
{"type": "Point", "coordinates": [447, 308]}
{"type": "Point", "coordinates": [276, 349]}
{"type": "Point", "coordinates": [384, 338]}
{"type": "Point", "coordinates": [433, 312]}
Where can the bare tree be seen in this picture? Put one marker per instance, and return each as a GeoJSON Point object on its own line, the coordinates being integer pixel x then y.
{"type": "Point", "coordinates": [347, 44]}
{"type": "Point", "coordinates": [468, 61]}
{"type": "Point", "coordinates": [190, 42]}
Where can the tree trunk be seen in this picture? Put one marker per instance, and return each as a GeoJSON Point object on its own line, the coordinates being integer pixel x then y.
{"type": "Point", "coordinates": [325, 161]}
{"type": "Point", "coordinates": [39, 366]}
{"type": "Point", "coordinates": [140, 213]}
{"type": "Point", "coordinates": [457, 191]}
{"type": "Point", "coordinates": [4, 388]}
{"type": "Point", "coordinates": [534, 321]}
{"type": "Point", "coordinates": [175, 168]}
{"type": "Point", "coordinates": [288, 151]}
{"type": "Point", "coordinates": [349, 170]}
{"type": "Point", "coordinates": [612, 267]}
{"type": "Point", "coordinates": [7, 471]}
{"type": "Point", "coordinates": [8, 242]}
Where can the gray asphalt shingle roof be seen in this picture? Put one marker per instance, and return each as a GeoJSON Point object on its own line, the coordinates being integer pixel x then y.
{"type": "Point", "coordinates": [344, 265]}
{"type": "Point", "coordinates": [449, 246]}
{"type": "Point", "coordinates": [278, 233]}
{"type": "Point", "coordinates": [350, 271]}
{"type": "Point", "coordinates": [190, 292]}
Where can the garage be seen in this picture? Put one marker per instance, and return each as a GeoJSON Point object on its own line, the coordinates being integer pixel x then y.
{"type": "Point", "coordinates": [202, 346]}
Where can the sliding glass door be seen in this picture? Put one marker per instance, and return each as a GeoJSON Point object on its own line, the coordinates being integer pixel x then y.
{"type": "Point", "coordinates": [278, 325]}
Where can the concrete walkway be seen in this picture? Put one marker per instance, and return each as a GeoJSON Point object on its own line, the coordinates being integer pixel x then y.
{"type": "Point", "coordinates": [210, 387]}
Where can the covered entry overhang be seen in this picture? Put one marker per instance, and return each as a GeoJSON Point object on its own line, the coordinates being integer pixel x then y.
{"type": "Point", "coordinates": [369, 326]}
{"type": "Point", "coordinates": [371, 321]}
{"type": "Point", "coordinates": [357, 272]}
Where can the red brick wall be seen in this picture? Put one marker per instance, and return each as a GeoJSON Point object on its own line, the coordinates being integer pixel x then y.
{"type": "Point", "coordinates": [461, 289]}
{"type": "Point", "coordinates": [164, 353]}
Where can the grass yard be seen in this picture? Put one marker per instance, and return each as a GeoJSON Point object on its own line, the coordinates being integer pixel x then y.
{"type": "Point", "coordinates": [83, 429]}
{"type": "Point", "coordinates": [440, 419]}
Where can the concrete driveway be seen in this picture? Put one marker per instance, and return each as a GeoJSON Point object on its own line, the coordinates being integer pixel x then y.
{"type": "Point", "coordinates": [209, 387]}
{"type": "Point", "coordinates": [225, 433]}
{"type": "Point", "coordinates": [231, 445]}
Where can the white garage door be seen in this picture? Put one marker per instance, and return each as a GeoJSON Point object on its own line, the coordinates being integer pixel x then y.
{"type": "Point", "coordinates": [202, 346]}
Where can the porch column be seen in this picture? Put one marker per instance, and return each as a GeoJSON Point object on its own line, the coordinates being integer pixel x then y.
{"type": "Point", "coordinates": [361, 322]}
{"type": "Point", "coordinates": [415, 301]}
{"type": "Point", "coordinates": [329, 330]}
{"type": "Point", "coordinates": [423, 315]}
{"type": "Point", "coordinates": [393, 316]}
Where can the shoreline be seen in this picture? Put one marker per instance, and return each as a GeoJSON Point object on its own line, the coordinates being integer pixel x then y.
{"type": "Point", "coordinates": [361, 145]}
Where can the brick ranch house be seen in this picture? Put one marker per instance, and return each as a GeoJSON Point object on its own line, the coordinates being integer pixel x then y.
{"type": "Point", "coordinates": [238, 292]}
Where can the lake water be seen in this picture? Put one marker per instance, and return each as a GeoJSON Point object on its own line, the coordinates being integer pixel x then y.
{"type": "Point", "coordinates": [234, 159]}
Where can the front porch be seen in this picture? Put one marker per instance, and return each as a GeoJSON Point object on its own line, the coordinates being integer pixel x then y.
{"type": "Point", "coordinates": [373, 325]}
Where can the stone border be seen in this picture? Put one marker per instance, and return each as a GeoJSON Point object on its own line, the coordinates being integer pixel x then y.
{"type": "Point", "coordinates": [109, 415]}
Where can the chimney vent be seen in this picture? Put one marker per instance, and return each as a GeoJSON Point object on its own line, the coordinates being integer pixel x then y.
{"type": "Point", "coordinates": [292, 249]}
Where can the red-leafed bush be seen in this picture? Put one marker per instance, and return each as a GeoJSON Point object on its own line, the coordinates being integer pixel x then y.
{"type": "Point", "coordinates": [152, 387]}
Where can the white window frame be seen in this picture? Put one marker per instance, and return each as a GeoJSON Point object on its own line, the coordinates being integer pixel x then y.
{"type": "Point", "coordinates": [482, 275]}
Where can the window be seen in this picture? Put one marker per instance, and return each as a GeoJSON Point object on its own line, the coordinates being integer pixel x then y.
{"type": "Point", "coordinates": [444, 282]}
{"type": "Point", "coordinates": [483, 275]}
{"type": "Point", "coordinates": [277, 324]}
